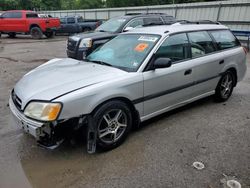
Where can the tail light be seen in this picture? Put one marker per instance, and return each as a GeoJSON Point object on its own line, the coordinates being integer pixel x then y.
{"type": "Point", "coordinates": [245, 49]}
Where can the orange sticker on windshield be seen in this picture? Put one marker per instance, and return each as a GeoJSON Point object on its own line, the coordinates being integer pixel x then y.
{"type": "Point", "coordinates": [141, 47]}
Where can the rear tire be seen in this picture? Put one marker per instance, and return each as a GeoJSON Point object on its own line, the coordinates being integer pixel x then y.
{"type": "Point", "coordinates": [114, 122]}
{"type": "Point", "coordinates": [12, 35]}
{"type": "Point", "coordinates": [36, 33]}
{"type": "Point", "coordinates": [225, 86]}
{"type": "Point", "coordinates": [49, 34]}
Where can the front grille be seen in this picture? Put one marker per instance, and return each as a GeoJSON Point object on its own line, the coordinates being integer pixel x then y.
{"type": "Point", "coordinates": [16, 100]}
{"type": "Point", "coordinates": [71, 44]}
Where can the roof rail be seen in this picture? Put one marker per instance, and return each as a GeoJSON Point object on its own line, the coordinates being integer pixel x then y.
{"type": "Point", "coordinates": [137, 13]}
{"type": "Point", "coordinates": [197, 22]}
{"type": "Point", "coordinates": [131, 14]}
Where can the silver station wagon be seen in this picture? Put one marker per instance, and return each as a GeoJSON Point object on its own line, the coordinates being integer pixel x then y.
{"type": "Point", "coordinates": [133, 77]}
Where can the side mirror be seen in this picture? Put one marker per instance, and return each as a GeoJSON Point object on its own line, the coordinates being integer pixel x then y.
{"type": "Point", "coordinates": [128, 29]}
{"type": "Point", "coordinates": [161, 62]}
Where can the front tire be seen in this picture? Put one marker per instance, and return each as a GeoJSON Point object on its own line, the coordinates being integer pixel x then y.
{"type": "Point", "coordinates": [36, 33]}
{"type": "Point", "coordinates": [114, 122]}
{"type": "Point", "coordinates": [225, 86]}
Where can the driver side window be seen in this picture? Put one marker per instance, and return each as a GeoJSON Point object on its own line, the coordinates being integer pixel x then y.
{"type": "Point", "coordinates": [175, 47]}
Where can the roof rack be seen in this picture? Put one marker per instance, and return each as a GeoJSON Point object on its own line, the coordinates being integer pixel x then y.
{"type": "Point", "coordinates": [197, 22]}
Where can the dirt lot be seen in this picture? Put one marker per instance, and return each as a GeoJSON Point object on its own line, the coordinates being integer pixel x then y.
{"type": "Point", "coordinates": [159, 154]}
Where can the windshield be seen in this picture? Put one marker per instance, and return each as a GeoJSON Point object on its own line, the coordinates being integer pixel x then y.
{"type": "Point", "coordinates": [126, 52]}
{"type": "Point", "coordinates": [111, 25]}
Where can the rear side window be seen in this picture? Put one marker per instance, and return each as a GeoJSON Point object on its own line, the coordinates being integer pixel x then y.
{"type": "Point", "coordinates": [225, 39]}
{"type": "Point", "coordinates": [154, 20]}
{"type": "Point", "coordinates": [175, 47]}
{"type": "Point", "coordinates": [201, 43]}
{"type": "Point", "coordinates": [71, 20]}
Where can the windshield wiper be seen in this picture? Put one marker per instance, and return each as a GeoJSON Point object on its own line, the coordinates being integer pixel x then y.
{"type": "Point", "coordinates": [102, 30]}
{"type": "Point", "coordinates": [101, 62]}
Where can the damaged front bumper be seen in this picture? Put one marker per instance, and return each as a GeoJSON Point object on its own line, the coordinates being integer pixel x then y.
{"type": "Point", "coordinates": [45, 133]}
{"type": "Point", "coordinates": [51, 135]}
{"type": "Point", "coordinates": [31, 127]}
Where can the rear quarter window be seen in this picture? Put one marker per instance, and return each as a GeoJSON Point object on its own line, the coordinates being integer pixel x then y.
{"type": "Point", "coordinates": [154, 20]}
{"type": "Point", "coordinates": [225, 39]}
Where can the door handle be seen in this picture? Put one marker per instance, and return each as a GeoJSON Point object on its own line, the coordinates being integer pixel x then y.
{"type": "Point", "coordinates": [189, 71]}
{"type": "Point", "coordinates": [221, 62]}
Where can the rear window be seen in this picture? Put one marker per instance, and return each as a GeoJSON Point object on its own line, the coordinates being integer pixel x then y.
{"type": "Point", "coordinates": [201, 43]}
{"type": "Point", "coordinates": [225, 39]}
{"type": "Point", "coordinates": [80, 19]}
{"type": "Point", "coordinates": [31, 15]}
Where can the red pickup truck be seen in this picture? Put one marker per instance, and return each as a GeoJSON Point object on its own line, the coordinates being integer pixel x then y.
{"type": "Point", "coordinates": [28, 22]}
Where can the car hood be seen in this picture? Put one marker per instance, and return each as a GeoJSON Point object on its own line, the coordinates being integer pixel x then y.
{"type": "Point", "coordinates": [93, 35]}
{"type": "Point", "coordinates": [60, 76]}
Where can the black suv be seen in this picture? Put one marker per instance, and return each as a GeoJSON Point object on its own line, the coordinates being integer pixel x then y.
{"type": "Point", "coordinates": [81, 45]}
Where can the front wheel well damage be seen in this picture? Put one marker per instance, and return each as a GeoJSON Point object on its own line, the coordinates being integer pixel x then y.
{"type": "Point", "coordinates": [134, 112]}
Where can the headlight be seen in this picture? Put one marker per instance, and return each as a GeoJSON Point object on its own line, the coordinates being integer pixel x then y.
{"type": "Point", "coordinates": [86, 43]}
{"type": "Point", "coordinates": [43, 111]}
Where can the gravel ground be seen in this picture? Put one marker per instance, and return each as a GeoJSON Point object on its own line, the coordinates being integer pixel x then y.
{"type": "Point", "coordinates": [159, 154]}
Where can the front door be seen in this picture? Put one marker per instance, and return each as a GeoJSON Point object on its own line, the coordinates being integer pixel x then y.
{"type": "Point", "coordinates": [166, 87]}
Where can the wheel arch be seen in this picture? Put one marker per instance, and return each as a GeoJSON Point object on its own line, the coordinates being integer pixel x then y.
{"type": "Point", "coordinates": [134, 112]}
{"type": "Point", "coordinates": [34, 25]}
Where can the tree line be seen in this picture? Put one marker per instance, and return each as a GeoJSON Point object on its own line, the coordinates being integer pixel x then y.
{"type": "Point", "coordinates": [82, 4]}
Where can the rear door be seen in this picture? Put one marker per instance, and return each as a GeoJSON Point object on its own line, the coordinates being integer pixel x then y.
{"type": "Point", "coordinates": [208, 63]}
{"type": "Point", "coordinates": [166, 87]}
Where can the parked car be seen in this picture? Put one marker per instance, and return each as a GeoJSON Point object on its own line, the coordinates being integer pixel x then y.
{"type": "Point", "coordinates": [28, 22]}
{"type": "Point", "coordinates": [79, 46]}
{"type": "Point", "coordinates": [76, 24]}
{"type": "Point", "coordinates": [132, 78]}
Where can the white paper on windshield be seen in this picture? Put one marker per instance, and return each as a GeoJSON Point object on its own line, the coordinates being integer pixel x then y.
{"type": "Point", "coordinates": [148, 39]}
